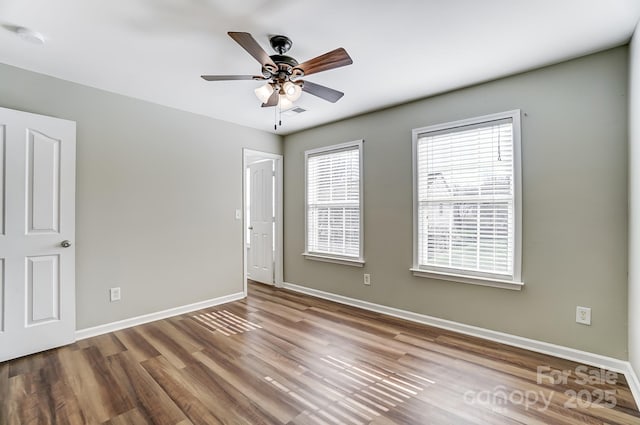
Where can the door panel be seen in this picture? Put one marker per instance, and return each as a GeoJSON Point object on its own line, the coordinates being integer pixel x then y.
{"type": "Point", "coordinates": [43, 302]}
{"type": "Point", "coordinates": [37, 296]}
{"type": "Point", "coordinates": [43, 188]}
{"type": "Point", "coordinates": [261, 222]}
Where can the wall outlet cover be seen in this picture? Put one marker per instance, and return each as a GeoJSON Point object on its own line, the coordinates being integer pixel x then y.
{"type": "Point", "coordinates": [583, 315]}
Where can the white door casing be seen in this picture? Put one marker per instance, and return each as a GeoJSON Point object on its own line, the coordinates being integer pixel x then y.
{"type": "Point", "coordinates": [260, 267]}
{"type": "Point", "coordinates": [37, 193]}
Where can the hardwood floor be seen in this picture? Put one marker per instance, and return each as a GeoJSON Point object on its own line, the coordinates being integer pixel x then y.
{"type": "Point", "coordinates": [283, 358]}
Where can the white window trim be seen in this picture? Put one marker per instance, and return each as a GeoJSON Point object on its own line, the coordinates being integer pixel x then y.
{"type": "Point", "coordinates": [322, 256]}
{"type": "Point", "coordinates": [465, 276]}
{"type": "Point", "coordinates": [347, 261]}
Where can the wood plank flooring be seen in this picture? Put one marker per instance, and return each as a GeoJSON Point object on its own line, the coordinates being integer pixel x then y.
{"type": "Point", "coordinates": [283, 358]}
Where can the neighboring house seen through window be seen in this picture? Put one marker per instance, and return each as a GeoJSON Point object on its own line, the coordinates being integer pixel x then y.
{"type": "Point", "coordinates": [333, 203]}
{"type": "Point", "coordinates": [467, 200]}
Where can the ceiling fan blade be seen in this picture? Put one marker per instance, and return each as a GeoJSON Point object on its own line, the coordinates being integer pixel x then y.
{"type": "Point", "coordinates": [231, 77]}
{"type": "Point", "coordinates": [273, 99]}
{"type": "Point", "coordinates": [322, 92]}
{"type": "Point", "coordinates": [249, 44]}
{"type": "Point", "coordinates": [333, 59]}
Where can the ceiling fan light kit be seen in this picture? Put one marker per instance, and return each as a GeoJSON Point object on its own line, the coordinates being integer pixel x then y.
{"type": "Point", "coordinates": [282, 73]}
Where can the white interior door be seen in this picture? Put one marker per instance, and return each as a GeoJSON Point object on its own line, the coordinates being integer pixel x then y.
{"type": "Point", "coordinates": [261, 222]}
{"type": "Point", "coordinates": [37, 228]}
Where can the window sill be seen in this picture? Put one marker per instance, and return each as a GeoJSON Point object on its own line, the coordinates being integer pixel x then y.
{"type": "Point", "coordinates": [482, 281]}
{"type": "Point", "coordinates": [338, 260]}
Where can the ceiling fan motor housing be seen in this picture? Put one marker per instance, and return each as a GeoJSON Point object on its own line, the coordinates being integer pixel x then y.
{"type": "Point", "coordinates": [288, 61]}
{"type": "Point", "coordinates": [286, 70]}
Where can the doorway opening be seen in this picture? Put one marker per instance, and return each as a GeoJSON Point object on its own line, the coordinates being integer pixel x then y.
{"type": "Point", "coordinates": [262, 217]}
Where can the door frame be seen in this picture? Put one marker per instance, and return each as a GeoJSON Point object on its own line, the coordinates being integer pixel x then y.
{"type": "Point", "coordinates": [279, 233]}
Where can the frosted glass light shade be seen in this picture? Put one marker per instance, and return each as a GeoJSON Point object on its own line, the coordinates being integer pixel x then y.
{"type": "Point", "coordinates": [292, 91]}
{"type": "Point", "coordinates": [285, 103]}
{"type": "Point", "coordinates": [263, 93]}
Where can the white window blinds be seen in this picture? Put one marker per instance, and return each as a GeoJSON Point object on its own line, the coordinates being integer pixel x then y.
{"type": "Point", "coordinates": [333, 201]}
{"type": "Point", "coordinates": [466, 198]}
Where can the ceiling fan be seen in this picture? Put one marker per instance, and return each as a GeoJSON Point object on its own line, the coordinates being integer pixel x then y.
{"type": "Point", "coordinates": [282, 73]}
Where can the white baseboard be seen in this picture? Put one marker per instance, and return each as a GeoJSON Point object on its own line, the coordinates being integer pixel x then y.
{"type": "Point", "coordinates": [152, 317]}
{"type": "Point", "coordinates": [597, 360]}
{"type": "Point", "coordinates": [633, 381]}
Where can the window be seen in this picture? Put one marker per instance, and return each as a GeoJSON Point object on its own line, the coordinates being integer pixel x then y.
{"type": "Point", "coordinates": [333, 204]}
{"type": "Point", "coordinates": [467, 200]}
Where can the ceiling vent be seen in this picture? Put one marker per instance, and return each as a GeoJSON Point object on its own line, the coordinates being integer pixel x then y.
{"type": "Point", "coordinates": [294, 112]}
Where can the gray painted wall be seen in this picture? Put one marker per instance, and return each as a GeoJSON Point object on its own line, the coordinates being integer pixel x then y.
{"type": "Point", "coordinates": [156, 194]}
{"type": "Point", "coordinates": [574, 143]}
{"type": "Point", "coordinates": [634, 202]}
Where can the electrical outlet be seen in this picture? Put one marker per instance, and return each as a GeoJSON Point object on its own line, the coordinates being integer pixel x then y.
{"type": "Point", "coordinates": [114, 294]}
{"type": "Point", "coordinates": [583, 315]}
{"type": "Point", "coordinates": [238, 214]}
{"type": "Point", "coordinates": [367, 279]}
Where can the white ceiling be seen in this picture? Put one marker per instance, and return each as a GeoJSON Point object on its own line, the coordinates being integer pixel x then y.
{"type": "Point", "coordinates": [402, 50]}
